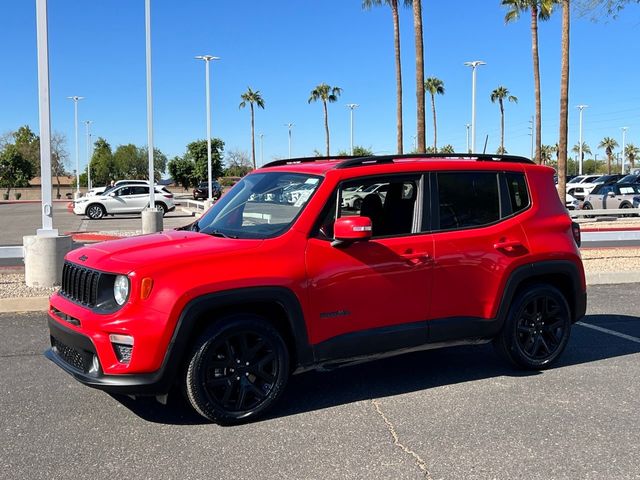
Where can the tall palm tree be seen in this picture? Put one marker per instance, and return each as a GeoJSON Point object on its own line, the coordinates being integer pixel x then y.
{"type": "Point", "coordinates": [564, 102]}
{"type": "Point", "coordinates": [325, 93]}
{"type": "Point", "coordinates": [500, 94]}
{"type": "Point", "coordinates": [420, 91]}
{"type": "Point", "coordinates": [252, 98]}
{"type": "Point", "coordinates": [396, 42]}
{"type": "Point", "coordinates": [434, 86]}
{"type": "Point", "coordinates": [609, 144]}
{"type": "Point", "coordinates": [631, 152]}
{"type": "Point", "coordinates": [586, 149]}
{"type": "Point", "coordinates": [539, 10]}
{"type": "Point", "coordinates": [546, 153]}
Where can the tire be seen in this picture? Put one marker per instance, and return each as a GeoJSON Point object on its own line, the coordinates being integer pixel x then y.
{"type": "Point", "coordinates": [357, 204]}
{"type": "Point", "coordinates": [626, 205]}
{"type": "Point", "coordinates": [95, 211]}
{"type": "Point", "coordinates": [537, 328]}
{"type": "Point", "coordinates": [587, 206]}
{"type": "Point", "coordinates": [163, 207]}
{"type": "Point", "coordinates": [237, 369]}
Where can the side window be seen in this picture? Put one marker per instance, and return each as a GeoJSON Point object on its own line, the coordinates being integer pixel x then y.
{"type": "Point", "coordinates": [606, 189]}
{"type": "Point", "coordinates": [139, 190]}
{"type": "Point", "coordinates": [518, 193]}
{"type": "Point", "coordinates": [468, 199]}
{"type": "Point", "coordinates": [123, 191]}
{"type": "Point", "coordinates": [389, 202]}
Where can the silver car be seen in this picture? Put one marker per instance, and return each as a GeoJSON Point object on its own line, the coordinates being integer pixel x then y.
{"type": "Point", "coordinates": [614, 195]}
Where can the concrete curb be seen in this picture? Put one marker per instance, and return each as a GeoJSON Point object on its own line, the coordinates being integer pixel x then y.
{"type": "Point", "coordinates": [24, 304]}
{"type": "Point", "coordinates": [612, 278]}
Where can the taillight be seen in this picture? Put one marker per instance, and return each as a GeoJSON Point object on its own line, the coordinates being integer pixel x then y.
{"type": "Point", "coordinates": [575, 229]}
{"type": "Point", "coordinates": [170, 195]}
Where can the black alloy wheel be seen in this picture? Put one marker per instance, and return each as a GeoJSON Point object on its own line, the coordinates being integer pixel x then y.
{"type": "Point", "coordinates": [537, 328]}
{"type": "Point", "coordinates": [237, 370]}
{"type": "Point", "coordinates": [95, 211]}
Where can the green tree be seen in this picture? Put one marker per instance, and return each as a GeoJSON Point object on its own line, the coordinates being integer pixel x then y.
{"type": "Point", "coordinates": [15, 170]}
{"type": "Point", "coordinates": [500, 94]}
{"type": "Point", "coordinates": [182, 172]}
{"type": "Point", "coordinates": [197, 153]}
{"type": "Point", "coordinates": [28, 144]}
{"type": "Point", "coordinates": [420, 90]}
{"type": "Point", "coordinates": [59, 158]}
{"type": "Point", "coordinates": [103, 168]}
{"type": "Point", "coordinates": [631, 152]}
{"type": "Point", "coordinates": [358, 151]}
{"type": "Point", "coordinates": [434, 86]}
{"type": "Point", "coordinates": [326, 94]}
{"type": "Point", "coordinates": [609, 145]}
{"type": "Point", "coordinates": [546, 154]}
{"type": "Point", "coordinates": [252, 98]}
{"type": "Point", "coordinates": [447, 149]}
{"type": "Point", "coordinates": [393, 4]}
{"type": "Point", "coordinates": [539, 10]}
{"type": "Point", "coordinates": [586, 150]}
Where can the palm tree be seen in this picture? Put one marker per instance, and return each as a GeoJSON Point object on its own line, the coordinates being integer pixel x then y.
{"type": "Point", "coordinates": [500, 94]}
{"type": "Point", "coordinates": [546, 153]}
{"type": "Point", "coordinates": [564, 102]}
{"type": "Point", "coordinates": [252, 98]}
{"type": "Point", "coordinates": [609, 144]}
{"type": "Point", "coordinates": [417, 26]}
{"type": "Point", "coordinates": [396, 42]}
{"type": "Point", "coordinates": [586, 149]}
{"type": "Point", "coordinates": [327, 94]}
{"type": "Point", "coordinates": [631, 152]}
{"type": "Point", "coordinates": [539, 10]}
{"type": "Point", "coordinates": [434, 86]}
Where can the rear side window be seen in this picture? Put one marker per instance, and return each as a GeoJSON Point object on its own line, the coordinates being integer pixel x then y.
{"type": "Point", "coordinates": [468, 199]}
{"type": "Point", "coordinates": [518, 193]}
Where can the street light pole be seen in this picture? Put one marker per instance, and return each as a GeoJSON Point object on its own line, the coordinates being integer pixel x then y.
{"type": "Point", "coordinates": [531, 134]}
{"type": "Point", "coordinates": [261, 149]}
{"type": "Point", "coordinates": [474, 64]}
{"type": "Point", "coordinates": [581, 108]}
{"type": "Point", "coordinates": [88, 124]}
{"type": "Point", "coordinates": [352, 107]}
{"type": "Point", "coordinates": [289, 126]}
{"type": "Point", "coordinates": [624, 136]}
{"type": "Point", "coordinates": [75, 123]}
{"type": "Point", "coordinates": [207, 59]}
{"type": "Point", "coordinates": [468, 125]}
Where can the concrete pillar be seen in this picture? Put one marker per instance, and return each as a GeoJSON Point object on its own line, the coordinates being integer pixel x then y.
{"type": "Point", "coordinates": [208, 204]}
{"type": "Point", "coordinates": [43, 259]}
{"type": "Point", "coordinates": [151, 221]}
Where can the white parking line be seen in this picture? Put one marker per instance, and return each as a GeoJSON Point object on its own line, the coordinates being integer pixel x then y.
{"type": "Point", "coordinates": [610, 332]}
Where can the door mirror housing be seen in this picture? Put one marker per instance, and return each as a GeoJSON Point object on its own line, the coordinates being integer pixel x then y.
{"type": "Point", "coordinates": [351, 229]}
{"type": "Point", "coordinates": [611, 194]}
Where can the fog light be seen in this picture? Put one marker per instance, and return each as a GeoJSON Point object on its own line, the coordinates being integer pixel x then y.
{"type": "Point", "coordinates": [95, 365]}
{"type": "Point", "coordinates": [122, 347]}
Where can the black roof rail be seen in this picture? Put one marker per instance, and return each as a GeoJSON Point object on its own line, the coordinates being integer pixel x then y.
{"type": "Point", "coordinates": [293, 161]}
{"type": "Point", "coordinates": [481, 157]}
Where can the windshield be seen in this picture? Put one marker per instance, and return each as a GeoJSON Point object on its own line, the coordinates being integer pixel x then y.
{"type": "Point", "coordinates": [261, 205]}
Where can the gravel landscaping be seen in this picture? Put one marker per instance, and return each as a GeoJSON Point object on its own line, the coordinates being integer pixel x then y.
{"type": "Point", "coordinates": [12, 286]}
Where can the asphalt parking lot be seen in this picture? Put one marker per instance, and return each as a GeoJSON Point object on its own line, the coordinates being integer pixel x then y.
{"type": "Point", "coordinates": [456, 413]}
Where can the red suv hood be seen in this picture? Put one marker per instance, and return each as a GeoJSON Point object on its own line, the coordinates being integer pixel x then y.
{"type": "Point", "coordinates": [161, 249]}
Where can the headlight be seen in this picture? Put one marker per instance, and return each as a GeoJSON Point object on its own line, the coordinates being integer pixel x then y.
{"type": "Point", "coordinates": [121, 289]}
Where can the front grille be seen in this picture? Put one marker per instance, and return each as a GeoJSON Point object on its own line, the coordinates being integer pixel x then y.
{"type": "Point", "coordinates": [78, 359]}
{"type": "Point", "coordinates": [80, 284]}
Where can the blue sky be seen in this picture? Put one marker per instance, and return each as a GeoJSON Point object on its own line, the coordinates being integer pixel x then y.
{"type": "Point", "coordinates": [285, 48]}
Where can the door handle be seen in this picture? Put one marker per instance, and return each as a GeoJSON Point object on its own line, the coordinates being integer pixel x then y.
{"type": "Point", "coordinates": [416, 258]}
{"type": "Point", "coordinates": [508, 246]}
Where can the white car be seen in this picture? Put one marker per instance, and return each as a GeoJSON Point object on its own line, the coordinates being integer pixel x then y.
{"type": "Point", "coordinates": [354, 199]}
{"type": "Point", "coordinates": [123, 199]}
{"type": "Point", "coordinates": [579, 186]}
{"type": "Point", "coordinates": [572, 203]}
{"type": "Point", "coordinates": [96, 191]}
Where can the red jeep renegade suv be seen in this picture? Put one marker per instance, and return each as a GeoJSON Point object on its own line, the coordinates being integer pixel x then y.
{"type": "Point", "coordinates": [284, 274]}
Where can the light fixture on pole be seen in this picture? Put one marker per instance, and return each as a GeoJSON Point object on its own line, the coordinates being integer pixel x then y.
{"type": "Point", "coordinates": [289, 126]}
{"type": "Point", "coordinates": [88, 125]}
{"type": "Point", "coordinates": [468, 125]}
{"type": "Point", "coordinates": [531, 132]}
{"type": "Point", "coordinates": [261, 149]}
{"type": "Point", "coordinates": [624, 136]}
{"type": "Point", "coordinates": [207, 59]}
{"type": "Point", "coordinates": [474, 64]}
{"type": "Point", "coordinates": [352, 107]}
{"type": "Point", "coordinates": [76, 99]}
{"type": "Point", "coordinates": [580, 152]}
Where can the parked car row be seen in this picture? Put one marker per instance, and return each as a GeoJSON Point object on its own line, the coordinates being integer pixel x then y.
{"type": "Point", "coordinates": [580, 186]}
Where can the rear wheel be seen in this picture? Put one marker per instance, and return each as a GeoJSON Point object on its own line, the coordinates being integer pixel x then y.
{"type": "Point", "coordinates": [237, 369]}
{"type": "Point", "coordinates": [626, 205]}
{"type": "Point", "coordinates": [162, 207]}
{"type": "Point", "coordinates": [537, 328]}
{"type": "Point", "coordinates": [95, 211]}
{"type": "Point", "coordinates": [587, 206]}
{"type": "Point", "coordinates": [357, 204]}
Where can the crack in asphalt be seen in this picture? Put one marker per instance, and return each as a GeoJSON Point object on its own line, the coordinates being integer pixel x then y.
{"type": "Point", "coordinates": [14, 355]}
{"type": "Point", "coordinates": [420, 463]}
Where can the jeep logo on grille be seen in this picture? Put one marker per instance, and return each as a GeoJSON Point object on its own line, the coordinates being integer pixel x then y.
{"type": "Point", "coordinates": [83, 258]}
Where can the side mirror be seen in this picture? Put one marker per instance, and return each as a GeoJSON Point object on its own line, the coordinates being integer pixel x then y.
{"type": "Point", "coordinates": [351, 229]}
{"type": "Point", "coordinates": [611, 194]}
{"type": "Point", "coordinates": [113, 194]}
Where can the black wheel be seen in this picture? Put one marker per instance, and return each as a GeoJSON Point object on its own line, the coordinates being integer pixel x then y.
{"type": "Point", "coordinates": [95, 211]}
{"type": "Point", "coordinates": [237, 369]}
{"type": "Point", "coordinates": [537, 328]}
{"type": "Point", "coordinates": [626, 205]}
{"type": "Point", "coordinates": [357, 204]}
{"type": "Point", "coordinates": [162, 207]}
{"type": "Point", "coordinates": [587, 206]}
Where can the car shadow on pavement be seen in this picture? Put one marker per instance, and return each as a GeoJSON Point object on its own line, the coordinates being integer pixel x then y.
{"type": "Point", "coordinates": [411, 372]}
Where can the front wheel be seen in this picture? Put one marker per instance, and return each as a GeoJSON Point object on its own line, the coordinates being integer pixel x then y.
{"type": "Point", "coordinates": [237, 369]}
{"type": "Point", "coordinates": [587, 206]}
{"type": "Point", "coordinates": [537, 328]}
{"type": "Point", "coordinates": [95, 211]}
